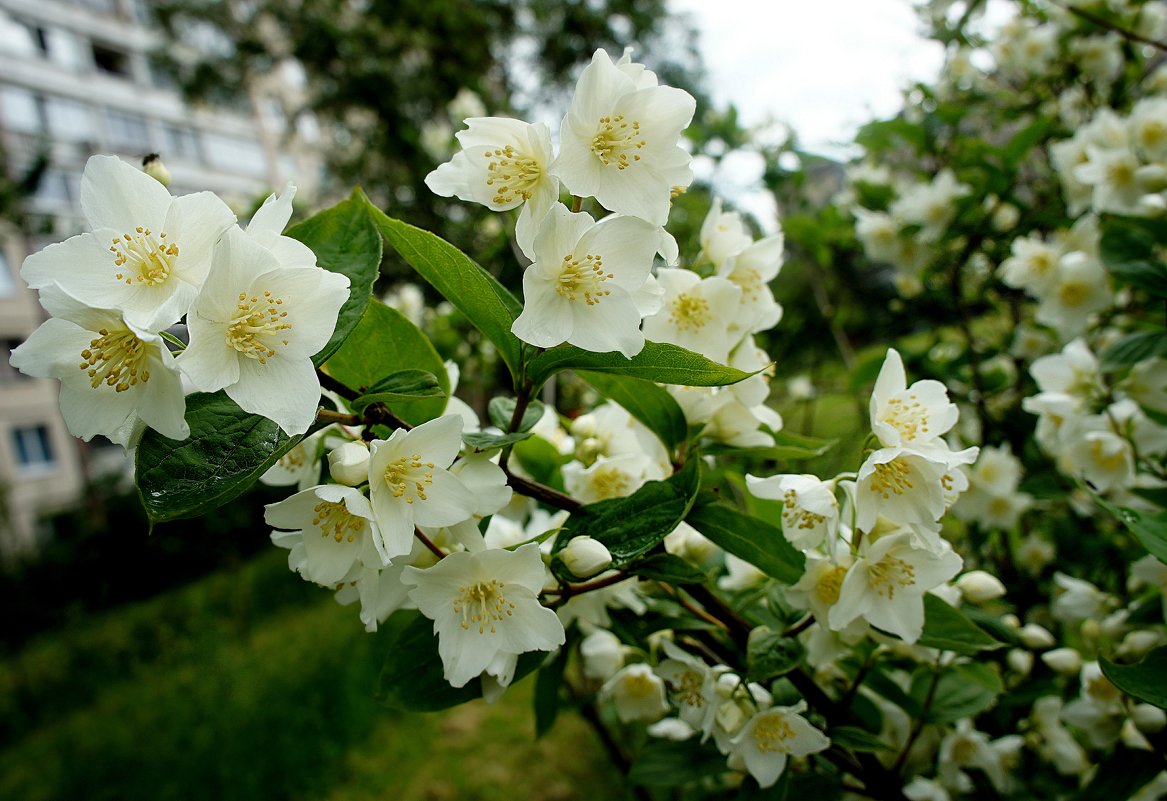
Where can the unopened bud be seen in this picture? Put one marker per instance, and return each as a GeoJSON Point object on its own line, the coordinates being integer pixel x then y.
{"type": "Point", "coordinates": [1020, 661]}
{"type": "Point", "coordinates": [349, 463]}
{"type": "Point", "coordinates": [602, 654]}
{"type": "Point", "coordinates": [1148, 719]}
{"type": "Point", "coordinates": [978, 586]}
{"type": "Point", "coordinates": [153, 166]}
{"type": "Point", "coordinates": [585, 557]}
{"type": "Point", "coordinates": [1066, 661]}
{"type": "Point", "coordinates": [1136, 644]}
{"type": "Point", "coordinates": [1035, 636]}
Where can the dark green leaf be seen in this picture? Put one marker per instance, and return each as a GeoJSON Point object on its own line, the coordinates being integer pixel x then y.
{"type": "Point", "coordinates": [1134, 348]}
{"type": "Point", "coordinates": [948, 629]}
{"type": "Point", "coordinates": [345, 241]}
{"type": "Point", "coordinates": [1024, 140]}
{"type": "Point", "coordinates": [1121, 775]}
{"type": "Point", "coordinates": [890, 689]}
{"type": "Point", "coordinates": [384, 343]}
{"type": "Point", "coordinates": [746, 537]}
{"type": "Point", "coordinates": [402, 385]}
{"type": "Point", "coordinates": [769, 654]}
{"type": "Point", "coordinates": [548, 682]}
{"type": "Point", "coordinates": [1148, 275]}
{"type": "Point", "coordinates": [501, 410]}
{"type": "Point", "coordinates": [630, 527]}
{"type": "Point", "coordinates": [644, 400]}
{"type": "Point", "coordinates": [787, 447]}
{"type": "Point", "coordinates": [485, 441]}
{"type": "Point", "coordinates": [664, 763]}
{"type": "Point", "coordinates": [1150, 528]}
{"type": "Point", "coordinates": [487, 304]}
{"type": "Point", "coordinates": [1126, 239]}
{"type": "Point", "coordinates": [667, 568]}
{"type": "Point", "coordinates": [857, 739]}
{"type": "Point", "coordinates": [1156, 495]}
{"type": "Point", "coordinates": [962, 691]}
{"type": "Point", "coordinates": [659, 362]}
{"type": "Point", "coordinates": [228, 449]}
{"type": "Point", "coordinates": [540, 459]}
{"type": "Point", "coordinates": [1146, 680]}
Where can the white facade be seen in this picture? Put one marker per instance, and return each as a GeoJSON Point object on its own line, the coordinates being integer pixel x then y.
{"type": "Point", "coordinates": [76, 79]}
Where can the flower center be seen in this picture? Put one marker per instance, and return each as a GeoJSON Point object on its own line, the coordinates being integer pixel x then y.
{"type": "Point", "coordinates": [1108, 458]}
{"type": "Point", "coordinates": [512, 175]}
{"type": "Point", "coordinates": [409, 470]}
{"type": "Point", "coordinates": [889, 573]}
{"type": "Point", "coordinates": [1121, 174]}
{"type": "Point", "coordinates": [1151, 134]}
{"type": "Point", "coordinates": [907, 416]}
{"type": "Point", "coordinates": [964, 750]}
{"type": "Point", "coordinates": [584, 277]}
{"type": "Point", "coordinates": [616, 142]}
{"type": "Point", "coordinates": [115, 359]}
{"type": "Point", "coordinates": [771, 734]}
{"type": "Point", "coordinates": [891, 478]}
{"type": "Point", "coordinates": [828, 586]}
{"type": "Point", "coordinates": [639, 685]}
{"type": "Point", "coordinates": [257, 323]}
{"type": "Point", "coordinates": [143, 257]}
{"type": "Point", "coordinates": [794, 516]}
{"type": "Point", "coordinates": [689, 690]}
{"type": "Point", "coordinates": [689, 312]}
{"type": "Point", "coordinates": [610, 482]}
{"type": "Point", "coordinates": [482, 604]}
{"type": "Point", "coordinates": [1073, 293]}
{"type": "Point", "coordinates": [750, 281]}
{"type": "Point", "coordinates": [336, 521]}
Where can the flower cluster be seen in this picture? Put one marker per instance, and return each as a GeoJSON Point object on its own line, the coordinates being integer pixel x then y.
{"type": "Point", "coordinates": [256, 306]}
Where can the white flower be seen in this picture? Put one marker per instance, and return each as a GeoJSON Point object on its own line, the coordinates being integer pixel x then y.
{"type": "Point", "coordinates": [810, 512]}
{"type": "Point", "coordinates": [886, 585]}
{"type": "Point", "coordinates": [299, 466]}
{"type": "Point", "coordinates": [410, 483]}
{"type": "Point", "coordinates": [486, 611]}
{"type": "Point", "coordinates": [608, 477]}
{"type": "Point", "coordinates": [696, 313]}
{"type": "Point", "coordinates": [692, 685]}
{"type": "Point", "coordinates": [773, 735]}
{"type": "Point", "coordinates": [822, 579]}
{"type": "Point", "coordinates": [913, 417]}
{"type": "Point", "coordinates": [267, 226]}
{"type": "Point", "coordinates": [149, 252]}
{"type": "Point", "coordinates": [336, 527]}
{"type": "Point", "coordinates": [348, 463]}
{"type": "Point", "coordinates": [603, 654]}
{"type": "Point", "coordinates": [256, 326]}
{"type": "Point", "coordinates": [1079, 288]}
{"type": "Point", "coordinates": [619, 141]}
{"type": "Point", "coordinates": [932, 205]}
{"type": "Point", "coordinates": [637, 693]}
{"type": "Point", "coordinates": [752, 270]}
{"type": "Point", "coordinates": [116, 378]}
{"type": "Point", "coordinates": [503, 164]}
{"type": "Point", "coordinates": [584, 283]}
{"type": "Point", "coordinates": [901, 485]}
{"type": "Point", "coordinates": [723, 234]}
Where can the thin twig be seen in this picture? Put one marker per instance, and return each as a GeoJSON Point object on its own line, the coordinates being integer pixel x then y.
{"type": "Point", "coordinates": [541, 492]}
{"type": "Point", "coordinates": [428, 543]}
{"type": "Point", "coordinates": [1102, 22]}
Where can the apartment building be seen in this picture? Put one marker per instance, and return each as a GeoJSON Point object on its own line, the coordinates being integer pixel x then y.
{"type": "Point", "coordinates": [76, 78]}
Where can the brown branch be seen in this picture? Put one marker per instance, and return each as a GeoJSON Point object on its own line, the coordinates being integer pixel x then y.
{"type": "Point", "coordinates": [1102, 22]}
{"type": "Point", "coordinates": [428, 543]}
{"type": "Point", "coordinates": [541, 492]}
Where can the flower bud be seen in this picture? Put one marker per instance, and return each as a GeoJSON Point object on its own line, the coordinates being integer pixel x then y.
{"type": "Point", "coordinates": [1020, 661]}
{"type": "Point", "coordinates": [152, 165]}
{"type": "Point", "coordinates": [585, 557]}
{"type": "Point", "coordinates": [1034, 636]}
{"type": "Point", "coordinates": [1066, 661]}
{"type": "Point", "coordinates": [1136, 644]}
{"type": "Point", "coordinates": [977, 586]}
{"type": "Point", "coordinates": [349, 463]}
{"type": "Point", "coordinates": [602, 654]}
{"type": "Point", "coordinates": [1148, 719]}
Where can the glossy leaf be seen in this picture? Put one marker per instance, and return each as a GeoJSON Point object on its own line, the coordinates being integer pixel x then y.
{"type": "Point", "coordinates": [1145, 680]}
{"type": "Point", "coordinates": [486, 303]}
{"type": "Point", "coordinates": [948, 629]}
{"type": "Point", "coordinates": [403, 385]}
{"type": "Point", "coordinates": [644, 400]}
{"type": "Point", "coordinates": [345, 241]}
{"type": "Point", "coordinates": [501, 410]}
{"type": "Point", "coordinates": [659, 362]}
{"type": "Point", "coordinates": [486, 441]}
{"type": "Point", "coordinates": [962, 691]}
{"type": "Point", "coordinates": [383, 344]}
{"type": "Point", "coordinates": [770, 654]}
{"type": "Point", "coordinates": [749, 538]}
{"type": "Point", "coordinates": [228, 449]}
{"type": "Point", "coordinates": [1150, 528]}
{"type": "Point", "coordinates": [668, 568]}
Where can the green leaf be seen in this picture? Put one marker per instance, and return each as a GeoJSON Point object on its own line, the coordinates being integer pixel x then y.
{"type": "Point", "coordinates": [1024, 140]}
{"type": "Point", "coordinates": [487, 304]}
{"type": "Point", "coordinates": [1145, 680]}
{"type": "Point", "coordinates": [645, 401]}
{"type": "Point", "coordinates": [962, 691]}
{"type": "Point", "coordinates": [501, 410]}
{"type": "Point", "coordinates": [1129, 247]}
{"type": "Point", "coordinates": [485, 441]}
{"type": "Point", "coordinates": [630, 527]}
{"type": "Point", "coordinates": [345, 241]}
{"type": "Point", "coordinates": [1122, 775]}
{"type": "Point", "coordinates": [948, 629]}
{"type": "Point", "coordinates": [746, 537]}
{"type": "Point", "coordinates": [665, 763]}
{"type": "Point", "coordinates": [1134, 348]}
{"type": "Point", "coordinates": [228, 449]}
{"type": "Point", "coordinates": [402, 385]}
{"type": "Point", "coordinates": [1150, 528]}
{"type": "Point", "coordinates": [667, 568]}
{"type": "Point", "coordinates": [787, 447]}
{"type": "Point", "coordinates": [659, 362]}
{"type": "Point", "coordinates": [540, 459]}
{"type": "Point", "coordinates": [385, 343]}
{"type": "Point", "coordinates": [1148, 275]}
{"type": "Point", "coordinates": [769, 654]}
{"type": "Point", "coordinates": [548, 682]}
{"type": "Point", "coordinates": [857, 739]}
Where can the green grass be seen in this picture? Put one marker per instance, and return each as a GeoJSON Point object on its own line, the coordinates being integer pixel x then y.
{"type": "Point", "coordinates": [238, 688]}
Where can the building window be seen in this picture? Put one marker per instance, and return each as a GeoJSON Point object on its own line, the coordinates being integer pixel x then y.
{"type": "Point", "coordinates": [7, 282]}
{"type": "Point", "coordinates": [34, 451]}
{"type": "Point", "coordinates": [181, 144]}
{"type": "Point", "coordinates": [22, 110]}
{"type": "Point", "coordinates": [127, 132]}
{"type": "Point", "coordinates": [69, 120]}
{"type": "Point", "coordinates": [111, 61]}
